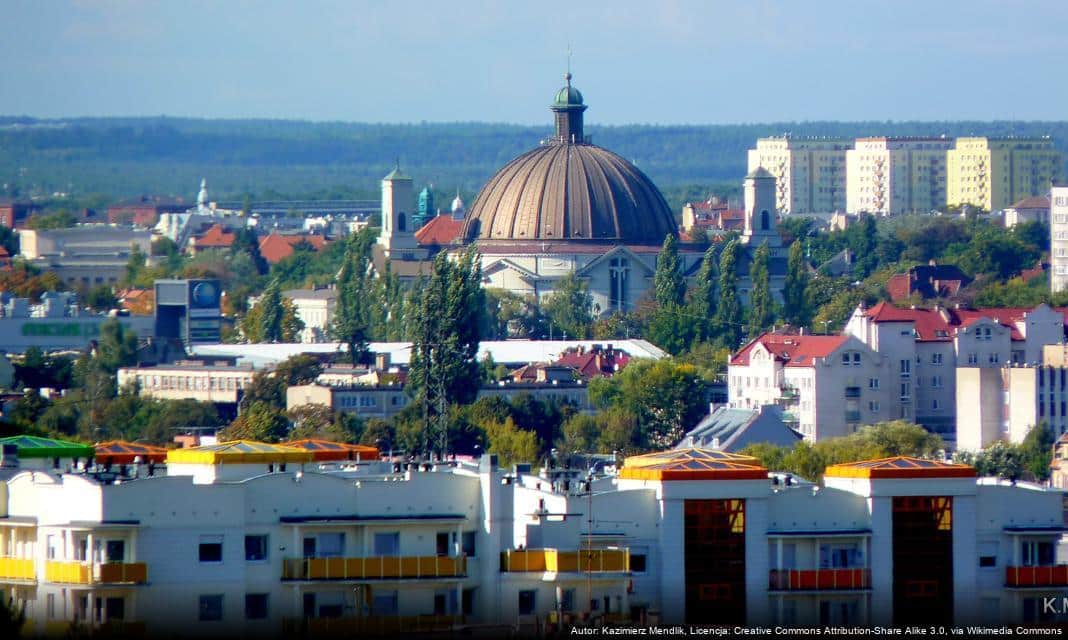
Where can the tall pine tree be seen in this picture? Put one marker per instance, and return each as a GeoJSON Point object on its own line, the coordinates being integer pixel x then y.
{"type": "Point", "coordinates": [729, 310]}
{"type": "Point", "coordinates": [703, 298]}
{"type": "Point", "coordinates": [761, 304]}
{"type": "Point", "coordinates": [352, 316]}
{"type": "Point", "coordinates": [795, 289]}
{"type": "Point", "coordinates": [669, 286]}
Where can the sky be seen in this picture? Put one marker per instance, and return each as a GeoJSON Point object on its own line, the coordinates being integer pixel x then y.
{"type": "Point", "coordinates": [635, 61]}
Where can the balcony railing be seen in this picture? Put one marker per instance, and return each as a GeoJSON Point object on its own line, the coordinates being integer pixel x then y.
{"type": "Point", "coordinates": [556, 561]}
{"type": "Point", "coordinates": [819, 579]}
{"type": "Point", "coordinates": [789, 393]}
{"type": "Point", "coordinates": [374, 568]}
{"type": "Point", "coordinates": [349, 627]}
{"type": "Point", "coordinates": [1044, 576]}
{"type": "Point", "coordinates": [852, 416]}
{"type": "Point", "coordinates": [99, 573]}
{"type": "Point", "coordinates": [17, 569]}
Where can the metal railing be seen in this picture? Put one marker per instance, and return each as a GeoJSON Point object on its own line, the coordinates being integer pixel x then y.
{"type": "Point", "coordinates": [554, 560]}
{"type": "Point", "coordinates": [374, 568]}
{"type": "Point", "coordinates": [17, 569]}
{"type": "Point", "coordinates": [98, 573]}
{"type": "Point", "coordinates": [818, 579]}
{"type": "Point", "coordinates": [1055, 575]}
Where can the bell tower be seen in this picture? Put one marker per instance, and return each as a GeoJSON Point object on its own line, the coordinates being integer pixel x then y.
{"type": "Point", "coordinates": [398, 232]}
{"type": "Point", "coordinates": [761, 225]}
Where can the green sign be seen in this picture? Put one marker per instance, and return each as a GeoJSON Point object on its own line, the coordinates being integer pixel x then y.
{"type": "Point", "coordinates": [61, 329]}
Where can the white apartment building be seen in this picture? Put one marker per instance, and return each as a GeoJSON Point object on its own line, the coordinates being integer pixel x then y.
{"type": "Point", "coordinates": [893, 176]}
{"type": "Point", "coordinates": [1031, 209]}
{"type": "Point", "coordinates": [243, 539]}
{"type": "Point", "coordinates": [810, 173]}
{"type": "Point", "coordinates": [926, 346]}
{"type": "Point", "coordinates": [828, 385]}
{"type": "Point", "coordinates": [221, 383]}
{"type": "Point", "coordinates": [1058, 229]}
{"type": "Point", "coordinates": [315, 307]}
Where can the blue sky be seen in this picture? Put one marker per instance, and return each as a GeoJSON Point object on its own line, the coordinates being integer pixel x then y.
{"type": "Point", "coordinates": [636, 61]}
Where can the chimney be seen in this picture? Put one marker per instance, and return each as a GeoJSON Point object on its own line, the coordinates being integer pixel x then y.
{"type": "Point", "coordinates": [382, 361]}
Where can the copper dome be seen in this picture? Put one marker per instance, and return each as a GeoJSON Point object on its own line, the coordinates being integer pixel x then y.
{"type": "Point", "coordinates": [568, 189]}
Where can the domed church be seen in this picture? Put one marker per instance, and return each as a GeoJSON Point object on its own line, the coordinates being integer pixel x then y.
{"type": "Point", "coordinates": [569, 205]}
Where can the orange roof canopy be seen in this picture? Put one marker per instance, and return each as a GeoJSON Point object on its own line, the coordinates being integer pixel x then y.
{"type": "Point", "coordinates": [122, 452]}
{"type": "Point", "coordinates": [326, 450]}
{"type": "Point", "coordinates": [693, 464]}
{"type": "Point", "coordinates": [899, 467]}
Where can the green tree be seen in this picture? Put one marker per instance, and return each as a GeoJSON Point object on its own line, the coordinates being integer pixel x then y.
{"type": "Point", "coordinates": [761, 304]}
{"type": "Point", "coordinates": [100, 298]}
{"type": "Point", "coordinates": [668, 284]}
{"type": "Point", "coordinates": [510, 443]}
{"type": "Point", "coordinates": [12, 617]}
{"type": "Point", "coordinates": [569, 307]}
{"type": "Point", "coordinates": [116, 347]}
{"type": "Point", "coordinates": [447, 330]}
{"type": "Point", "coordinates": [247, 243]}
{"type": "Point", "coordinates": [9, 240]}
{"type": "Point", "coordinates": [796, 310]}
{"type": "Point", "coordinates": [261, 422]}
{"type": "Point", "coordinates": [703, 298]}
{"type": "Point", "coordinates": [273, 319]}
{"type": "Point", "coordinates": [1036, 451]}
{"type": "Point", "coordinates": [352, 317]}
{"type": "Point", "coordinates": [729, 310]}
{"type": "Point", "coordinates": [134, 266]}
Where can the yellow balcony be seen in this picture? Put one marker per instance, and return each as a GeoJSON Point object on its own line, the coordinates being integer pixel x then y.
{"type": "Point", "coordinates": [101, 573]}
{"type": "Point", "coordinates": [556, 561]}
{"type": "Point", "coordinates": [17, 569]}
{"type": "Point", "coordinates": [374, 568]}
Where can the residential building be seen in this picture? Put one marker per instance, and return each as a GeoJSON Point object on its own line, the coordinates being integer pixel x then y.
{"type": "Point", "coordinates": [275, 247]}
{"type": "Point", "coordinates": [712, 215]}
{"type": "Point", "coordinates": [894, 176]}
{"type": "Point", "coordinates": [927, 281]}
{"type": "Point", "coordinates": [1032, 209]}
{"type": "Point", "coordinates": [732, 430]}
{"type": "Point", "coordinates": [927, 345]}
{"type": "Point", "coordinates": [57, 323]}
{"type": "Point", "coordinates": [215, 237]}
{"type": "Point", "coordinates": [12, 213]}
{"type": "Point", "coordinates": [810, 173]}
{"type": "Point", "coordinates": [144, 211]}
{"type": "Point", "coordinates": [220, 382]}
{"type": "Point", "coordinates": [1006, 403]}
{"type": "Point", "coordinates": [244, 538]}
{"type": "Point", "coordinates": [1058, 229]}
{"type": "Point", "coordinates": [993, 173]}
{"type": "Point", "coordinates": [315, 307]}
{"type": "Point", "coordinates": [828, 385]}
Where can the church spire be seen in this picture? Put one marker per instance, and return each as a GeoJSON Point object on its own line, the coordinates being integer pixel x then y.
{"type": "Point", "coordinates": [568, 108]}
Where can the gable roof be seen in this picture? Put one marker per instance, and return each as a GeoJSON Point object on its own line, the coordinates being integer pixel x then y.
{"type": "Point", "coordinates": [441, 230]}
{"type": "Point", "coordinates": [37, 447]}
{"type": "Point", "coordinates": [941, 324]}
{"type": "Point", "coordinates": [727, 424]}
{"type": "Point", "coordinates": [1034, 202]}
{"type": "Point", "coordinates": [214, 237]}
{"type": "Point", "coordinates": [792, 350]}
{"type": "Point", "coordinates": [595, 362]}
{"type": "Point", "coordinates": [692, 464]}
{"type": "Point", "coordinates": [238, 452]}
{"type": "Point", "coordinates": [122, 452]}
{"type": "Point", "coordinates": [899, 467]}
{"type": "Point", "coordinates": [276, 247]}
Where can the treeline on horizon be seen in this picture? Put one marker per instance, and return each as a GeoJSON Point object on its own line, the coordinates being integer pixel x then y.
{"type": "Point", "coordinates": [127, 157]}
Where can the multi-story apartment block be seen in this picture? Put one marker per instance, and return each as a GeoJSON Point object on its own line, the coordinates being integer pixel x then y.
{"type": "Point", "coordinates": [993, 173]}
{"type": "Point", "coordinates": [892, 176]}
{"type": "Point", "coordinates": [243, 539]}
{"type": "Point", "coordinates": [1058, 229]}
{"type": "Point", "coordinates": [927, 345]}
{"type": "Point", "coordinates": [810, 173]}
{"type": "Point", "coordinates": [828, 385]}
{"type": "Point", "coordinates": [204, 381]}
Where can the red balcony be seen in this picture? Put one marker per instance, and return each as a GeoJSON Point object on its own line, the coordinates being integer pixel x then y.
{"type": "Point", "coordinates": [1054, 575]}
{"type": "Point", "coordinates": [819, 579]}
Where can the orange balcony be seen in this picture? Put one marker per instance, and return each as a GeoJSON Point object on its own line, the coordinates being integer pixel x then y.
{"type": "Point", "coordinates": [17, 569]}
{"type": "Point", "coordinates": [819, 579]}
{"type": "Point", "coordinates": [553, 560]}
{"type": "Point", "coordinates": [1046, 576]}
{"type": "Point", "coordinates": [100, 573]}
{"type": "Point", "coordinates": [374, 568]}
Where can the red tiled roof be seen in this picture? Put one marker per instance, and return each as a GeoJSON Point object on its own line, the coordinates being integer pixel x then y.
{"type": "Point", "coordinates": [932, 326]}
{"type": "Point", "coordinates": [595, 362]}
{"type": "Point", "coordinates": [276, 247]}
{"type": "Point", "coordinates": [794, 351]}
{"type": "Point", "coordinates": [441, 230]}
{"type": "Point", "coordinates": [1034, 202]}
{"type": "Point", "coordinates": [897, 287]}
{"type": "Point", "coordinates": [1034, 272]}
{"type": "Point", "coordinates": [214, 237]}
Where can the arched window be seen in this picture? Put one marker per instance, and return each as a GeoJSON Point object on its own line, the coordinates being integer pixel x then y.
{"type": "Point", "coordinates": [401, 224]}
{"type": "Point", "coordinates": [764, 220]}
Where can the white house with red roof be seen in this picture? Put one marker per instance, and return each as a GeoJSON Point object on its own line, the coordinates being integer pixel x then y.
{"type": "Point", "coordinates": [926, 346]}
{"type": "Point", "coordinates": [828, 385]}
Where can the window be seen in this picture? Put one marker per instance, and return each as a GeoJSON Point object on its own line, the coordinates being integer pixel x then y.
{"type": "Point", "coordinates": [468, 539]}
{"type": "Point", "coordinates": [906, 368]}
{"type": "Point", "coordinates": [988, 552]}
{"type": "Point", "coordinates": [331, 545]}
{"type": "Point", "coordinates": [936, 382]}
{"type": "Point", "coordinates": [50, 606]}
{"type": "Point", "coordinates": [993, 358]}
{"type": "Point", "coordinates": [256, 606]}
{"type": "Point", "coordinates": [856, 359]}
{"type": "Point", "coordinates": [637, 562]}
{"type": "Point", "coordinates": [527, 602]}
{"type": "Point", "coordinates": [906, 391]}
{"type": "Point", "coordinates": [873, 383]}
{"type": "Point", "coordinates": [936, 404]}
{"type": "Point", "coordinates": [567, 600]}
{"type": "Point", "coordinates": [387, 544]}
{"type": "Point", "coordinates": [874, 406]}
{"type": "Point", "coordinates": [973, 358]}
{"type": "Point", "coordinates": [255, 548]}
{"type": "Point", "coordinates": [1037, 553]}
{"type": "Point", "coordinates": [211, 549]}
{"type": "Point", "coordinates": [936, 359]}
{"type": "Point", "coordinates": [211, 608]}
{"type": "Point", "coordinates": [385, 603]}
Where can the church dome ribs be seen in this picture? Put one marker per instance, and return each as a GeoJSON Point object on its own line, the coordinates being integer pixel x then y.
{"type": "Point", "coordinates": [569, 190]}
